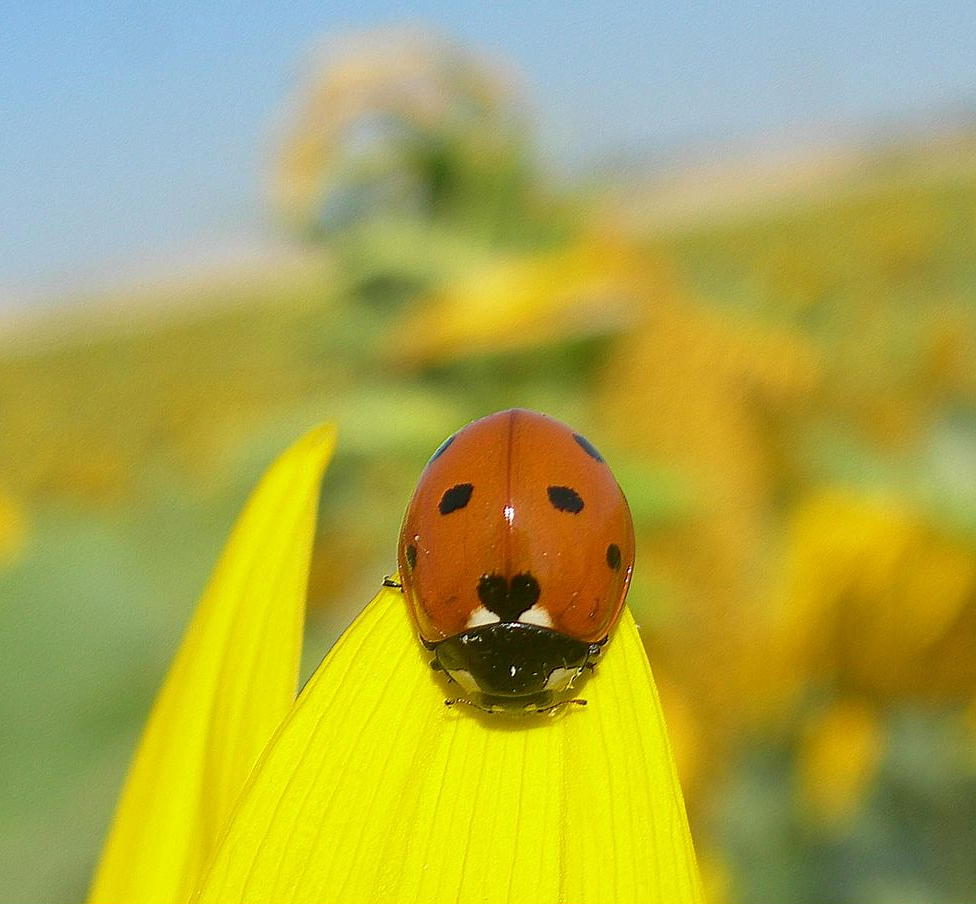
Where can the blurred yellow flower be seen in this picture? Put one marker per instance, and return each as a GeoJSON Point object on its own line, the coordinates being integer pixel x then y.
{"type": "Point", "coordinates": [596, 285]}
{"type": "Point", "coordinates": [877, 605]}
{"type": "Point", "coordinates": [369, 788]}
{"type": "Point", "coordinates": [404, 113]}
{"type": "Point", "coordinates": [698, 390]}
{"type": "Point", "coordinates": [876, 598]}
{"type": "Point", "coordinates": [13, 529]}
{"type": "Point", "coordinates": [838, 756]}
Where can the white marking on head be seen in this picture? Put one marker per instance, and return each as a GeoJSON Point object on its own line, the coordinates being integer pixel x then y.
{"type": "Point", "coordinates": [463, 677]}
{"type": "Point", "coordinates": [537, 615]}
{"type": "Point", "coordinates": [561, 679]}
{"type": "Point", "coordinates": [482, 616]}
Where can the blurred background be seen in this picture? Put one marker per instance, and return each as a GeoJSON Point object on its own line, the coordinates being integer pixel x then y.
{"type": "Point", "coordinates": [734, 247]}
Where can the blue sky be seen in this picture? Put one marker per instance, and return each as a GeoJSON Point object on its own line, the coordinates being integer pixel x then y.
{"type": "Point", "coordinates": [132, 131]}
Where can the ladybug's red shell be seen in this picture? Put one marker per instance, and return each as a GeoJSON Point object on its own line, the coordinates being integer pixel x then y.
{"type": "Point", "coordinates": [516, 519]}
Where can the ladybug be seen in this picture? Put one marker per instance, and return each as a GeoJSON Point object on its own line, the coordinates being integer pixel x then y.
{"type": "Point", "coordinates": [515, 557]}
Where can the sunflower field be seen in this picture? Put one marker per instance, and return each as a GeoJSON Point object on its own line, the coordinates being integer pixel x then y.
{"type": "Point", "coordinates": [780, 369]}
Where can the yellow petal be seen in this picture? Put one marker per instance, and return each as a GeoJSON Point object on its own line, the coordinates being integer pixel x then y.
{"type": "Point", "coordinates": [373, 790]}
{"type": "Point", "coordinates": [231, 683]}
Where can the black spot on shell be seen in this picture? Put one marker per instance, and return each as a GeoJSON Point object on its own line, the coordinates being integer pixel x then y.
{"type": "Point", "coordinates": [508, 599]}
{"type": "Point", "coordinates": [493, 592]}
{"type": "Point", "coordinates": [412, 556]}
{"type": "Point", "coordinates": [441, 449]}
{"type": "Point", "coordinates": [613, 556]}
{"type": "Point", "coordinates": [587, 447]}
{"type": "Point", "coordinates": [566, 499]}
{"type": "Point", "coordinates": [457, 497]}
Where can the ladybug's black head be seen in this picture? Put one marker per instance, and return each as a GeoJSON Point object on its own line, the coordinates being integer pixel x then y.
{"type": "Point", "coordinates": [512, 665]}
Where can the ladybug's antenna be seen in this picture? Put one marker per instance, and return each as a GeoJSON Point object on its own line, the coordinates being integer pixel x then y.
{"type": "Point", "coordinates": [579, 701]}
{"type": "Point", "coordinates": [453, 701]}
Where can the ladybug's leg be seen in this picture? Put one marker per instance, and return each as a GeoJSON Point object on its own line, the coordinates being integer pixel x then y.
{"type": "Point", "coordinates": [593, 654]}
{"type": "Point", "coordinates": [391, 582]}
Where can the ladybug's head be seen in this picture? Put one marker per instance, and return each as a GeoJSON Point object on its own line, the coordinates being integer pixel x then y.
{"type": "Point", "coordinates": [513, 666]}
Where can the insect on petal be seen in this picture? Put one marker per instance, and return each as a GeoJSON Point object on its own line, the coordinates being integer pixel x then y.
{"type": "Point", "coordinates": [373, 790]}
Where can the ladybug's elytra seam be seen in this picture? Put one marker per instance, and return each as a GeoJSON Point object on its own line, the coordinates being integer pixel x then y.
{"type": "Point", "coordinates": [509, 510]}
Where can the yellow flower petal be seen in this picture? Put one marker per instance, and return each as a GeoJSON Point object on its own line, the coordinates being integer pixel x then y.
{"type": "Point", "coordinates": [231, 683]}
{"type": "Point", "coordinates": [374, 791]}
